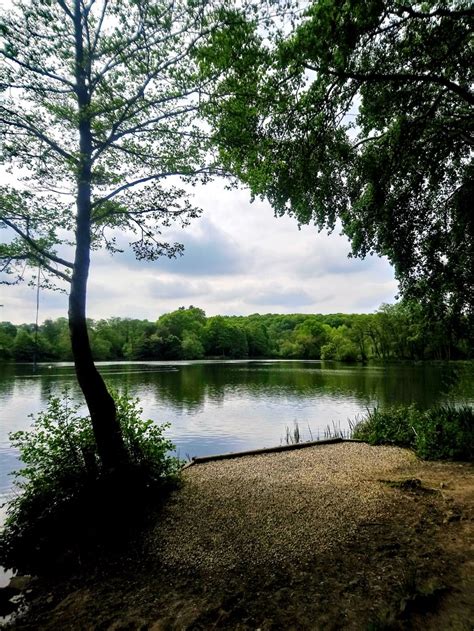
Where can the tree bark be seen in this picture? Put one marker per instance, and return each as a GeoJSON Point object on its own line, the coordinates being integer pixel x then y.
{"type": "Point", "coordinates": [107, 431]}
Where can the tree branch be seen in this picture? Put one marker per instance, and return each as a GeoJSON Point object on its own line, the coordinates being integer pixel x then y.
{"type": "Point", "coordinates": [65, 8]}
{"type": "Point", "coordinates": [39, 71]}
{"type": "Point", "coordinates": [26, 258]}
{"type": "Point", "coordinates": [148, 178]}
{"type": "Point", "coordinates": [36, 132]}
{"type": "Point", "coordinates": [31, 242]}
{"type": "Point", "coordinates": [380, 77]}
{"type": "Point", "coordinates": [437, 12]}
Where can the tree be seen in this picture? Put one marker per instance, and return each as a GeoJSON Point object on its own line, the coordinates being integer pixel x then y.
{"type": "Point", "coordinates": [340, 347]}
{"type": "Point", "coordinates": [225, 339]}
{"type": "Point", "coordinates": [99, 110]}
{"type": "Point", "coordinates": [27, 346]}
{"type": "Point", "coordinates": [7, 336]}
{"type": "Point", "coordinates": [257, 338]}
{"type": "Point", "coordinates": [362, 113]}
{"type": "Point", "coordinates": [191, 346]}
{"type": "Point", "coordinates": [181, 320]}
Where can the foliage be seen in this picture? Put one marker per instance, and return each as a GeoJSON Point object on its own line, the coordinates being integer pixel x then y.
{"type": "Point", "coordinates": [340, 346]}
{"type": "Point", "coordinates": [444, 432]}
{"type": "Point", "coordinates": [63, 497]}
{"type": "Point", "coordinates": [397, 331]}
{"type": "Point", "coordinates": [361, 113]}
{"type": "Point", "coordinates": [120, 73]}
{"type": "Point", "coordinates": [223, 338]}
{"type": "Point", "coordinates": [393, 426]}
{"type": "Point", "coordinates": [101, 136]}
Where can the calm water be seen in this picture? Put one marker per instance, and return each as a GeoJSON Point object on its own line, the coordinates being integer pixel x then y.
{"type": "Point", "coordinates": [228, 406]}
{"type": "Point", "coordinates": [224, 406]}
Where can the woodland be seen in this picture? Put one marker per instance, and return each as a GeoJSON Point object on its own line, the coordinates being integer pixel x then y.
{"type": "Point", "coordinates": [394, 332]}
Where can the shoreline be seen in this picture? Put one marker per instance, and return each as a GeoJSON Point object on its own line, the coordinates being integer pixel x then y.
{"type": "Point", "coordinates": [339, 535]}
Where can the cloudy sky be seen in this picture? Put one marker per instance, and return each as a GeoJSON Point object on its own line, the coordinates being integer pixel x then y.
{"type": "Point", "coordinates": [239, 259]}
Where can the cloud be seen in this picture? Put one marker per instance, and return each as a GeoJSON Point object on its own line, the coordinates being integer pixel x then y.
{"type": "Point", "coordinates": [211, 252]}
{"type": "Point", "coordinates": [282, 298]}
{"type": "Point", "coordinates": [239, 259]}
{"type": "Point", "coordinates": [374, 295]}
{"type": "Point", "coordinates": [165, 289]}
{"type": "Point", "coordinates": [208, 251]}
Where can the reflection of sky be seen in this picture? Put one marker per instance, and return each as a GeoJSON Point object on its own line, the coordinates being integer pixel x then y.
{"type": "Point", "coordinates": [229, 406]}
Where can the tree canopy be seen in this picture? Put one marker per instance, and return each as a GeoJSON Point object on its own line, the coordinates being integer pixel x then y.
{"type": "Point", "coordinates": [99, 111]}
{"type": "Point", "coordinates": [362, 113]}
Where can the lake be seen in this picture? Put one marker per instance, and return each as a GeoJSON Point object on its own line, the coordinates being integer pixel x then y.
{"type": "Point", "coordinates": [221, 406]}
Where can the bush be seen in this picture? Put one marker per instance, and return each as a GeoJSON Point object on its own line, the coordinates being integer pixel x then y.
{"type": "Point", "coordinates": [444, 432]}
{"type": "Point", "coordinates": [64, 503]}
{"type": "Point", "coordinates": [393, 426]}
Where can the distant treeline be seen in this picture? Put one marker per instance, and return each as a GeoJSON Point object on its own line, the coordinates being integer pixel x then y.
{"type": "Point", "coordinates": [394, 332]}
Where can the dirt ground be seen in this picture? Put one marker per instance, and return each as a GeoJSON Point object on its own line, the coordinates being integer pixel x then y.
{"type": "Point", "coordinates": [343, 536]}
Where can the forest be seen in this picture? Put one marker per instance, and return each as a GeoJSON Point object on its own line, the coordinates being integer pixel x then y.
{"type": "Point", "coordinates": [395, 332]}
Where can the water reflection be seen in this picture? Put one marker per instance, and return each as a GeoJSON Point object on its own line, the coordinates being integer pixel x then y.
{"type": "Point", "coordinates": [223, 406]}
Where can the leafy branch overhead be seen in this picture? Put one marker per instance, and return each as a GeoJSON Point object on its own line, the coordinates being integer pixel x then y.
{"type": "Point", "coordinates": [363, 114]}
{"type": "Point", "coordinates": [136, 89]}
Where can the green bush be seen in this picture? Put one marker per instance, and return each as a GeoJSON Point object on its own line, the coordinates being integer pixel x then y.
{"type": "Point", "coordinates": [64, 503]}
{"type": "Point", "coordinates": [393, 426]}
{"type": "Point", "coordinates": [444, 432]}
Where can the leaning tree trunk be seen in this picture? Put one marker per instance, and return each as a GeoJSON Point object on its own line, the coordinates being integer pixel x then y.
{"type": "Point", "coordinates": [101, 405]}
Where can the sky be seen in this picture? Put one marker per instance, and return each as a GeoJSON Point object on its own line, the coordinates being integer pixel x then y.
{"type": "Point", "coordinates": [239, 259]}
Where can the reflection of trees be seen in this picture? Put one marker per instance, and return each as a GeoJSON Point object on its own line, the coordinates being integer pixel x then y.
{"type": "Point", "coordinates": [425, 385]}
{"type": "Point", "coordinates": [458, 382]}
{"type": "Point", "coordinates": [7, 373]}
{"type": "Point", "coordinates": [187, 387]}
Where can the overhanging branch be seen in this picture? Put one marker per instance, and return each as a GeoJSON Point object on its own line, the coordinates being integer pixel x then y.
{"type": "Point", "coordinates": [150, 178]}
{"type": "Point", "coordinates": [32, 243]}
{"type": "Point", "coordinates": [402, 77]}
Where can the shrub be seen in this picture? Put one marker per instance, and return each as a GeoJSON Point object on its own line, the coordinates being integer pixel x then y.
{"type": "Point", "coordinates": [444, 432]}
{"type": "Point", "coordinates": [64, 503]}
{"type": "Point", "coordinates": [393, 426]}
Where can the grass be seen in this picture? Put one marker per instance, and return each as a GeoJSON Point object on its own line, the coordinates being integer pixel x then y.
{"type": "Point", "coordinates": [295, 435]}
{"type": "Point", "coordinates": [440, 433]}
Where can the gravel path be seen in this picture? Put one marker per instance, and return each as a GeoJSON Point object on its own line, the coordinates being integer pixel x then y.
{"type": "Point", "coordinates": [272, 508]}
{"type": "Point", "coordinates": [341, 536]}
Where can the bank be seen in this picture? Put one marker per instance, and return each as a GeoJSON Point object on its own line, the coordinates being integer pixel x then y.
{"type": "Point", "coordinates": [326, 537]}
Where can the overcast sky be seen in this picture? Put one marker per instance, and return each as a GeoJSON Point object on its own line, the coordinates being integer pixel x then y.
{"type": "Point", "coordinates": [239, 259]}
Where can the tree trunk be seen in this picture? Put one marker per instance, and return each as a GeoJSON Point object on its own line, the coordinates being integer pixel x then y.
{"type": "Point", "coordinates": [101, 405]}
{"type": "Point", "coordinates": [107, 431]}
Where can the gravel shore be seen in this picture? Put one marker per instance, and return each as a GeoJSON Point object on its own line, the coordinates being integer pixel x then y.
{"type": "Point", "coordinates": [278, 507]}
{"type": "Point", "coordinates": [341, 536]}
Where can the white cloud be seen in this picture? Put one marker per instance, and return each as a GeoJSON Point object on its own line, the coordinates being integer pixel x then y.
{"type": "Point", "coordinates": [239, 259]}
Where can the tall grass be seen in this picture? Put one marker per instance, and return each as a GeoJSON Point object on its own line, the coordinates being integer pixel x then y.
{"type": "Point", "coordinates": [440, 433]}
{"type": "Point", "coordinates": [295, 435]}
